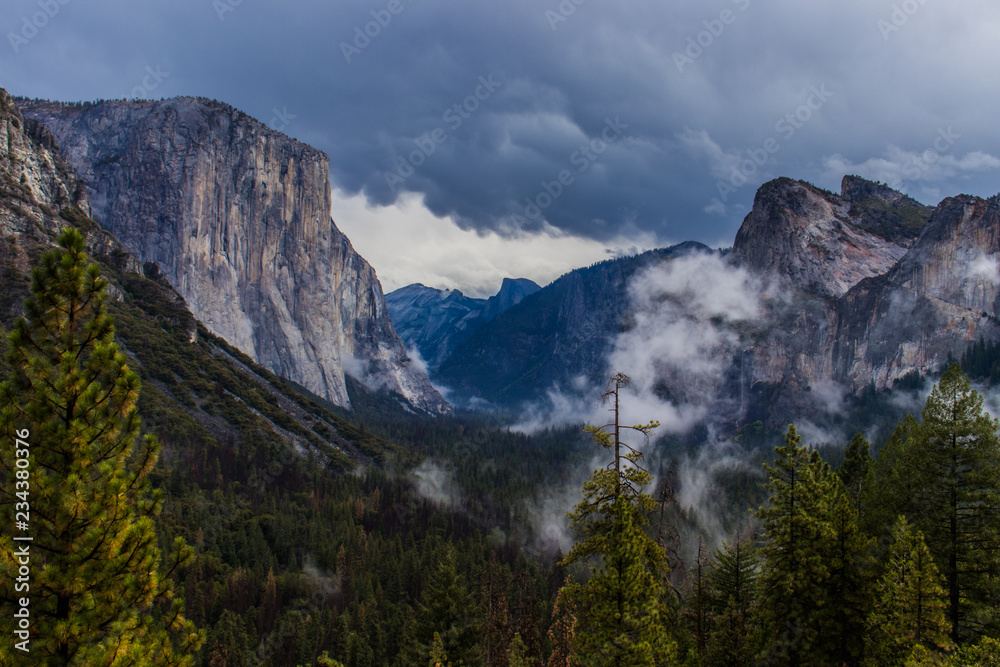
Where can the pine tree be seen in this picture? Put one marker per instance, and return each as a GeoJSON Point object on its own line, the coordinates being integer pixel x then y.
{"type": "Point", "coordinates": [814, 561]}
{"type": "Point", "coordinates": [438, 655]}
{"type": "Point", "coordinates": [855, 468]}
{"type": "Point", "coordinates": [446, 612]}
{"type": "Point", "coordinates": [851, 570]}
{"type": "Point", "coordinates": [698, 607]}
{"type": "Point", "coordinates": [955, 465]}
{"type": "Point", "coordinates": [732, 583]}
{"type": "Point", "coordinates": [98, 593]}
{"type": "Point", "coordinates": [890, 486]}
{"type": "Point", "coordinates": [517, 655]}
{"type": "Point", "coordinates": [910, 604]}
{"type": "Point", "coordinates": [498, 632]}
{"type": "Point", "coordinates": [562, 632]}
{"type": "Point", "coordinates": [621, 614]}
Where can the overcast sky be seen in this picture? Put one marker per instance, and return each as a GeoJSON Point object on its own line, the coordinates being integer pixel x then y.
{"type": "Point", "coordinates": [469, 141]}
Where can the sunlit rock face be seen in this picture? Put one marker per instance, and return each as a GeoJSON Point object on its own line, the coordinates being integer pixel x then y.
{"type": "Point", "coordinates": [237, 217]}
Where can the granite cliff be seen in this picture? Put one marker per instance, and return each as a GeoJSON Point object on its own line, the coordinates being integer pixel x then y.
{"type": "Point", "coordinates": [940, 297]}
{"type": "Point", "coordinates": [876, 287]}
{"type": "Point", "coordinates": [236, 216]}
{"type": "Point", "coordinates": [205, 400]}
{"type": "Point", "coordinates": [39, 195]}
{"type": "Point", "coordinates": [857, 289]}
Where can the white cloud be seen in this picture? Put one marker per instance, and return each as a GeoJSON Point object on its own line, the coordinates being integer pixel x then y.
{"type": "Point", "coordinates": [687, 316]}
{"type": "Point", "coordinates": [406, 243]}
{"type": "Point", "coordinates": [897, 167]}
{"type": "Point", "coordinates": [984, 267]}
{"type": "Point", "coordinates": [687, 321]}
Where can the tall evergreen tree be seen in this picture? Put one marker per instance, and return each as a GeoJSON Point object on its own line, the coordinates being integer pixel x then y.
{"type": "Point", "coordinates": [955, 463]}
{"type": "Point", "coordinates": [851, 570]}
{"type": "Point", "coordinates": [890, 486]}
{"type": "Point", "coordinates": [447, 613]}
{"type": "Point", "coordinates": [855, 468]}
{"type": "Point", "coordinates": [621, 614]}
{"type": "Point", "coordinates": [732, 583]}
{"type": "Point", "coordinates": [99, 595]}
{"type": "Point", "coordinates": [517, 654]}
{"type": "Point", "coordinates": [813, 558]}
{"type": "Point", "coordinates": [562, 631]}
{"type": "Point", "coordinates": [910, 603]}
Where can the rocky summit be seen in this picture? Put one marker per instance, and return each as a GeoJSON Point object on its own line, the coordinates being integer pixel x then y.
{"type": "Point", "coordinates": [236, 216]}
{"type": "Point", "coordinates": [859, 289]}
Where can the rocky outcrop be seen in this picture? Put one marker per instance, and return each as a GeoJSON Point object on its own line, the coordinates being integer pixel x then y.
{"type": "Point", "coordinates": [942, 296]}
{"type": "Point", "coordinates": [864, 303]}
{"type": "Point", "coordinates": [806, 237]}
{"type": "Point", "coordinates": [436, 321]}
{"type": "Point", "coordinates": [236, 216]}
{"type": "Point", "coordinates": [37, 183]}
{"type": "Point", "coordinates": [39, 195]}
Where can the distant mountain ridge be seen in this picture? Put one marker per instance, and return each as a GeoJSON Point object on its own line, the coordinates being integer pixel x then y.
{"type": "Point", "coordinates": [436, 321]}
{"type": "Point", "coordinates": [560, 335]}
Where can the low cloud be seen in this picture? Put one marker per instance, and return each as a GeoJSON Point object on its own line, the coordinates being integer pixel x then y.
{"type": "Point", "coordinates": [698, 489]}
{"type": "Point", "coordinates": [984, 267]}
{"type": "Point", "coordinates": [689, 318]}
{"type": "Point", "coordinates": [828, 396]}
{"type": "Point", "coordinates": [436, 483]}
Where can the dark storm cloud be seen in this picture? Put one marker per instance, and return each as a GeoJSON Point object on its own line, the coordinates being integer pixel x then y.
{"type": "Point", "coordinates": [597, 118]}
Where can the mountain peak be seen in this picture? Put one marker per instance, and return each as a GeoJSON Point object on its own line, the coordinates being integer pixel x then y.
{"type": "Point", "coordinates": [810, 237]}
{"type": "Point", "coordinates": [512, 290]}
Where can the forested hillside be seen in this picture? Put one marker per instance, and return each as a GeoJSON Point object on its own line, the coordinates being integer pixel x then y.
{"type": "Point", "coordinates": [417, 546]}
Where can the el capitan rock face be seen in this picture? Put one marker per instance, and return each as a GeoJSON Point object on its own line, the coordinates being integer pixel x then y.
{"type": "Point", "coordinates": [237, 218]}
